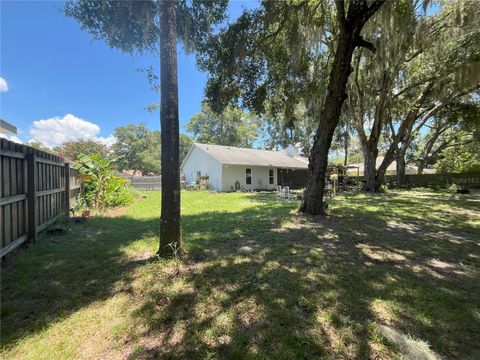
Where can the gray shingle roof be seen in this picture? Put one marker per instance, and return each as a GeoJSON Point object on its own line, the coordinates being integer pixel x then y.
{"type": "Point", "coordinates": [391, 167]}
{"type": "Point", "coordinates": [7, 128]}
{"type": "Point", "coordinates": [255, 157]}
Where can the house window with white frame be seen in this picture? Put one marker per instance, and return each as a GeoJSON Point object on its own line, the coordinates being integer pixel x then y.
{"type": "Point", "coordinates": [271, 179]}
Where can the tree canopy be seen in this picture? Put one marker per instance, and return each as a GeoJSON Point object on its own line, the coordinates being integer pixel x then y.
{"type": "Point", "coordinates": [133, 26]}
{"type": "Point", "coordinates": [72, 149]}
{"type": "Point", "coordinates": [232, 127]}
{"type": "Point", "coordinates": [139, 149]}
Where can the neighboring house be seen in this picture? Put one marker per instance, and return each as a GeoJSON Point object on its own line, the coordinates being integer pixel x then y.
{"type": "Point", "coordinates": [391, 170]}
{"type": "Point", "coordinates": [7, 128]}
{"type": "Point", "coordinates": [230, 168]}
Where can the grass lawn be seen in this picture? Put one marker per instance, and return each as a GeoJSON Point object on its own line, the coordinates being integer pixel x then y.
{"type": "Point", "coordinates": [259, 282]}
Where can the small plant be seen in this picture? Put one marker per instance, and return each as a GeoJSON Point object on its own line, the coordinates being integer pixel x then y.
{"type": "Point", "coordinates": [453, 188]}
{"type": "Point", "coordinates": [79, 205]}
{"type": "Point", "coordinates": [383, 189]}
{"type": "Point", "coordinates": [177, 251]}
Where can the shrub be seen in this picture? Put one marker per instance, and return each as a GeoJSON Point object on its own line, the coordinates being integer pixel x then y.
{"type": "Point", "coordinates": [383, 188]}
{"type": "Point", "coordinates": [453, 188]}
{"type": "Point", "coordinates": [101, 187]}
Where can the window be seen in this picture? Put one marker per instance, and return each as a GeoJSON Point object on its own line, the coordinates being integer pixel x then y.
{"type": "Point", "coordinates": [271, 179]}
{"type": "Point", "coordinates": [248, 176]}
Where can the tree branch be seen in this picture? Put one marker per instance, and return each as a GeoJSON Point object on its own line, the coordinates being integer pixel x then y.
{"type": "Point", "coordinates": [414, 85]}
{"type": "Point", "coordinates": [340, 5]}
{"type": "Point", "coordinates": [414, 55]}
{"type": "Point", "coordinates": [365, 44]}
{"type": "Point", "coordinates": [372, 9]}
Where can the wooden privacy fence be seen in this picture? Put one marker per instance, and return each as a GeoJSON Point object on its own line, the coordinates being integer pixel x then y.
{"type": "Point", "coordinates": [36, 188]}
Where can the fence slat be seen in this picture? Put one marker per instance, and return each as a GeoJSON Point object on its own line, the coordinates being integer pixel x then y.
{"type": "Point", "coordinates": [7, 225]}
{"type": "Point", "coordinates": [12, 199]}
{"type": "Point", "coordinates": [6, 249]}
{"type": "Point", "coordinates": [67, 189]}
{"type": "Point", "coordinates": [31, 198]}
{"type": "Point", "coordinates": [49, 192]}
{"type": "Point", "coordinates": [13, 177]}
{"type": "Point", "coordinates": [6, 176]}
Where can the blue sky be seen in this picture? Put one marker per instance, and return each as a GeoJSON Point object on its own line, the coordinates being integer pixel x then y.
{"type": "Point", "coordinates": [52, 69]}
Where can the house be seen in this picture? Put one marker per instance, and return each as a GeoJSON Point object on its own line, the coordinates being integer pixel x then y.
{"type": "Point", "coordinates": [391, 170]}
{"type": "Point", "coordinates": [231, 168]}
{"type": "Point", "coordinates": [7, 128]}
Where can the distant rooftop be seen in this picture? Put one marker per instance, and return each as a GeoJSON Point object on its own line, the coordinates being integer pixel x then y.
{"type": "Point", "coordinates": [231, 155]}
{"type": "Point", "coordinates": [391, 167]}
{"type": "Point", "coordinates": [7, 128]}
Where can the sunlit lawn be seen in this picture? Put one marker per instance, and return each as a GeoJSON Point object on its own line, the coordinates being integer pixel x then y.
{"type": "Point", "coordinates": [259, 282]}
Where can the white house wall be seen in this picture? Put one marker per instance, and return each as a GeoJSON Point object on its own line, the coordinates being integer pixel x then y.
{"type": "Point", "coordinates": [260, 177]}
{"type": "Point", "coordinates": [197, 161]}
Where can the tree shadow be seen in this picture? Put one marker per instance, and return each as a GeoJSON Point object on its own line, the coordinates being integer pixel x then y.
{"type": "Point", "coordinates": [58, 275]}
{"type": "Point", "coordinates": [315, 288]}
{"type": "Point", "coordinates": [266, 282]}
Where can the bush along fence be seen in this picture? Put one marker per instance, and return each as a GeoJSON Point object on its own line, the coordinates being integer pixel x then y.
{"type": "Point", "coordinates": [35, 190]}
{"type": "Point", "coordinates": [466, 180]}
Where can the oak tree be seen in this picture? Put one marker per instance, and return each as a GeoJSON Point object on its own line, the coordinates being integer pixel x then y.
{"type": "Point", "coordinates": [274, 58]}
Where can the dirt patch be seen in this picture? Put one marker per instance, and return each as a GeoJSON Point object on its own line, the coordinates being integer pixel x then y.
{"type": "Point", "coordinates": [118, 211]}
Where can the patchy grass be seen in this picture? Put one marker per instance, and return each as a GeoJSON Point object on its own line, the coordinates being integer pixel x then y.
{"type": "Point", "coordinates": [259, 282]}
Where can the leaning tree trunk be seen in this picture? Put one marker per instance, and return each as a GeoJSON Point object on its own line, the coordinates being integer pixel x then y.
{"type": "Point", "coordinates": [349, 38]}
{"type": "Point", "coordinates": [421, 167]}
{"type": "Point", "coordinates": [318, 160]}
{"type": "Point", "coordinates": [317, 167]}
{"type": "Point", "coordinates": [170, 214]}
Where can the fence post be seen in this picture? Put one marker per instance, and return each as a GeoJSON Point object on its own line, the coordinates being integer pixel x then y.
{"type": "Point", "coordinates": [67, 189]}
{"type": "Point", "coordinates": [31, 195]}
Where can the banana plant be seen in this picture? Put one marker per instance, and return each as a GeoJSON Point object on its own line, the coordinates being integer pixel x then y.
{"type": "Point", "coordinates": [102, 186]}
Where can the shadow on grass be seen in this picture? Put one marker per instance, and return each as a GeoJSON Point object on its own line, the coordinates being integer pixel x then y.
{"type": "Point", "coordinates": [255, 287]}
{"type": "Point", "coordinates": [316, 288]}
{"type": "Point", "coordinates": [58, 275]}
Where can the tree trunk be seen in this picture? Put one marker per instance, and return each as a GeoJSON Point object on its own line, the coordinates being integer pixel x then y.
{"type": "Point", "coordinates": [370, 146]}
{"type": "Point", "coordinates": [318, 160]}
{"type": "Point", "coordinates": [401, 170]}
{"type": "Point", "coordinates": [369, 169]}
{"type": "Point", "coordinates": [170, 240]}
{"type": "Point", "coordinates": [349, 38]}
{"type": "Point", "coordinates": [345, 149]}
{"type": "Point", "coordinates": [317, 168]}
{"type": "Point", "coordinates": [389, 157]}
{"type": "Point", "coordinates": [404, 133]}
{"type": "Point", "coordinates": [420, 168]}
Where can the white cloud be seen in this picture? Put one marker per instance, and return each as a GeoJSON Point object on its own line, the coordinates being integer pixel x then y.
{"type": "Point", "coordinates": [3, 85]}
{"type": "Point", "coordinates": [109, 140]}
{"type": "Point", "coordinates": [11, 138]}
{"type": "Point", "coordinates": [57, 130]}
